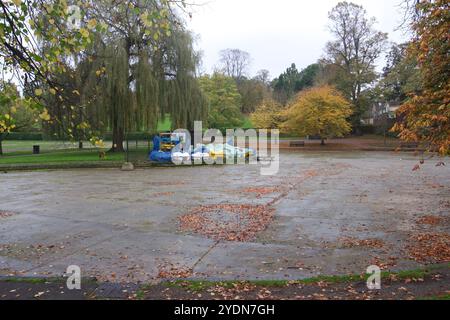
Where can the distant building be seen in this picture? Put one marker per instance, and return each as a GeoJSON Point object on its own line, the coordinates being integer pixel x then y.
{"type": "Point", "coordinates": [380, 113]}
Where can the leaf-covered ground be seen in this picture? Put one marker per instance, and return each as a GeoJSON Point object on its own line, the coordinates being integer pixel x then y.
{"type": "Point", "coordinates": [430, 283]}
{"type": "Point", "coordinates": [228, 222]}
{"type": "Point", "coordinates": [322, 214]}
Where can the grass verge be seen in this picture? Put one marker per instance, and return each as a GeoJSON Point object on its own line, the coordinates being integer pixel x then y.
{"type": "Point", "coordinates": [200, 285]}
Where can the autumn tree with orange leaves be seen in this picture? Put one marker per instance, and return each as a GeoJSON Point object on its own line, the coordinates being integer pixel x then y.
{"type": "Point", "coordinates": [425, 115]}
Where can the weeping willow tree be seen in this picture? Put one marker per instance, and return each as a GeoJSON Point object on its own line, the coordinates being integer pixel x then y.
{"type": "Point", "coordinates": [139, 88]}
{"type": "Point", "coordinates": [180, 93]}
{"type": "Point", "coordinates": [138, 76]}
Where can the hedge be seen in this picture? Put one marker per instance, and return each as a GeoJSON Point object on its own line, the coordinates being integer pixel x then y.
{"type": "Point", "coordinates": [37, 136]}
{"type": "Point", "coordinates": [25, 136]}
{"type": "Point", "coordinates": [131, 136]}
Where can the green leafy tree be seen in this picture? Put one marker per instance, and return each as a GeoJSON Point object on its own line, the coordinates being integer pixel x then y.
{"type": "Point", "coordinates": [401, 75]}
{"type": "Point", "coordinates": [224, 101]}
{"type": "Point", "coordinates": [286, 85]}
{"type": "Point", "coordinates": [16, 113]}
{"type": "Point", "coordinates": [36, 36]}
{"type": "Point", "coordinates": [308, 76]}
{"type": "Point", "coordinates": [292, 81]}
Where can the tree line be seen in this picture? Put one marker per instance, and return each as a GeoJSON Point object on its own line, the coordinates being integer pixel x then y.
{"type": "Point", "coordinates": [122, 66]}
{"type": "Point", "coordinates": [415, 78]}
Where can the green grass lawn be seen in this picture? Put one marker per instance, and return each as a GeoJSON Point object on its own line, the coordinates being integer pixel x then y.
{"type": "Point", "coordinates": [17, 147]}
{"type": "Point", "coordinates": [165, 125]}
{"type": "Point", "coordinates": [60, 157]}
{"type": "Point", "coordinates": [53, 152]}
{"type": "Point", "coordinates": [56, 152]}
{"type": "Point", "coordinates": [247, 123]}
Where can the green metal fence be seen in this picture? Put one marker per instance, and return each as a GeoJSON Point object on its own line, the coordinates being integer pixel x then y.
{"type": "Point", "coordinates": [137, 151]}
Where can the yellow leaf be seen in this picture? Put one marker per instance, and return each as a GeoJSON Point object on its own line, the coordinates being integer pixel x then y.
{"type": "Point", "coordinates": [44, 115]}
{"type": "Point", "coordinates": [92, 23]}
{"type": "Point", "coordinates": [84, 32]}
{"type": "Point", "coordinates": [38, 92]}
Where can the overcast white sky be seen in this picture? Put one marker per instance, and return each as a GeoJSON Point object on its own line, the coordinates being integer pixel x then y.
{"type": "Point", "coordinates": [277, 32]}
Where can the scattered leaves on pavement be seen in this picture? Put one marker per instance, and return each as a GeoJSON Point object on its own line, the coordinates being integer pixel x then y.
{"type": "Point", "coordinates": [384, 263]}
{"type": "Point", "coordinates": [349, 242]}
{"type": "Point", "coordinates": [429, 247]}
{"type": "Point", "coordinates": [230, 222]}
{"type": "Point", "coordinates": [6, 214]}
{"type": "Point", "coordinates": [262, 191]}
{"type": "Point", "coordinates": [430, 220]}
{"type": "Point", "coordinates": [172, 271]}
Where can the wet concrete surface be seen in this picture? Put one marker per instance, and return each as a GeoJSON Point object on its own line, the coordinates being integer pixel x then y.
{"type": "Point", "coordinates": [123, 226]}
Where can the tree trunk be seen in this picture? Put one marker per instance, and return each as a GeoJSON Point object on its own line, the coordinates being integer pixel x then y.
{"type": "Point", "coordinates": [323, 142]}
{"type": "Point", "coordinates": [118, 139]}
{"type": "Point", "coordinates": [118, 134]}
{"type": "Point", "coordinates": [3, 136]}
